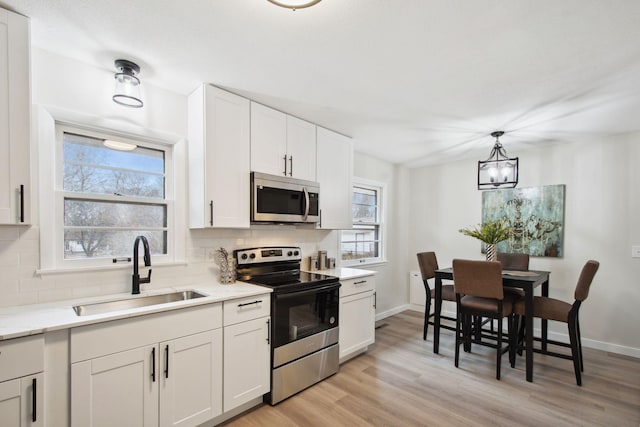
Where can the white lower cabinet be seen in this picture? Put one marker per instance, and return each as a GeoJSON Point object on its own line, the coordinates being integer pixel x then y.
{"type": "Point", "coordinates": [357, 316]}
{"type": "Point", "coordinates": [21, 382]}
{"type": "Point", "coordinates": [164, 382]}
{"type": "Point", "coordinates": [246, 350]}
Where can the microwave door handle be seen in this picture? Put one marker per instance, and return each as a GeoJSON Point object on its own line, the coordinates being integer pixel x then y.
{"type": "Point", "coordinates": [306, 203]}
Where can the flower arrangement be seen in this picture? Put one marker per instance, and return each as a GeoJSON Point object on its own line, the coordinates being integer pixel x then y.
{"type": "Point", "coordinates": [490, 232]}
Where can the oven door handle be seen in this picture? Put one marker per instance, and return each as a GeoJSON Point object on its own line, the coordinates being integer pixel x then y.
{"type": "Point", "coordinates": [295, 294]}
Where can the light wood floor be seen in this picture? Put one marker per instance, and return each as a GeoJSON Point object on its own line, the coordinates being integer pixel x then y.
{"type": "Point", "coordinates": [400, 382]}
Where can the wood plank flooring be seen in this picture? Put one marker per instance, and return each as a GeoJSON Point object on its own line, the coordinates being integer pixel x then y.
{"type": "Point", "coordinates": [400, 382]}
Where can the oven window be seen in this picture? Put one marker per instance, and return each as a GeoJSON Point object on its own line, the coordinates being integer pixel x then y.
{"type": "Point", "coordinates": [301, 314]}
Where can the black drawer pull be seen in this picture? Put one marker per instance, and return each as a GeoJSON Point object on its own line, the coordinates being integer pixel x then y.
{"type": "Point", "coordinates": [153, 364]}
{"type": "Point", "coordinates": [34, 417]}
{"type": "Point", "coordinates": [166, 361]}
{"type": "Point", "coordinates": [360, 282]}
{"type": "Point", "coordinates": [258, 301]}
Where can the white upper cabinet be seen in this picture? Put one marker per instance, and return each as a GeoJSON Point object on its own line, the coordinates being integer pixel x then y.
{"type": "Point", "coordinates": [282, 144]}
{"type": "Point", "coordinates": [219, 155]}
{"type": "Point", "coordinates": [334, 169]}
{"type": "Point", "coordinates": [15, 100]}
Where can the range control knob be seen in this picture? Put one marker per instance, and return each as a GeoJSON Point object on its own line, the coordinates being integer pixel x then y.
{"type": "Point", "coordinates": [244, 256]}
{"type": "Point", "coordinates": [252, 256]}
{"type": "Point", "coordinates": [289, 253]}
{"type": "Point", "coordinates": [296, 253]}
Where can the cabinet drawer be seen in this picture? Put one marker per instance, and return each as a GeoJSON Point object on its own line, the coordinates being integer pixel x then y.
{"type": "Point", "coordinates": [354, 286]}
{"type": "Point", "coordinates": [243, 309]}
{"type": "Point", "coordinates": [91, 341]}
{"type": "Point", "coordinates": [21, 356]}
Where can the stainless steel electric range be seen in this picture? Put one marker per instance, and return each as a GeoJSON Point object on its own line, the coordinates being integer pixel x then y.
{"type": "Point", "coordinates": [304, 317]}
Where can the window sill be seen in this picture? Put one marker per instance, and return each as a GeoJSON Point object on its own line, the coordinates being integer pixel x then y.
{"type": "Point", "coordinates": [128, 266]}
{"type": "Point", "coordinates": [363, 264]}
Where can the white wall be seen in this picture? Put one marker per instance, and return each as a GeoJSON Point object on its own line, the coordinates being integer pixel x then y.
{"type": "Point", "coordinates": [392, 292]}
{"type": "Point", "coordinates": [602, 222]}
{"type": "Point", "coordinates": [79, 93]}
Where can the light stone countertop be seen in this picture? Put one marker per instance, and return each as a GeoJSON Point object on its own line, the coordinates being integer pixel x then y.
{"type": "Point", "coordinates": [19, 321]}
{"type": "Point", "coordinates": [345, 273]}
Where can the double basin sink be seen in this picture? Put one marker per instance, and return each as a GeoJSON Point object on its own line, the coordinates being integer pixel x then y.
{"type": "Point", "coordinates": [129, 303]}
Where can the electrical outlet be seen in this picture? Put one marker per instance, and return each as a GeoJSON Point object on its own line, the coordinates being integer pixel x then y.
{"type": "Point", "coordinates": [635, 251]}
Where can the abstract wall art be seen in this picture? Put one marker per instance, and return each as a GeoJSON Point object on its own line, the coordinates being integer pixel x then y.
{"type": "Point", "coordinates": [535, 214]}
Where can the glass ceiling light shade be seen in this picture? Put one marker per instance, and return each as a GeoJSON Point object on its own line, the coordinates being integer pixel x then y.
{"type": "Point", "coordinates": [498, 171]}
{"type": "Point", "coordinates": [127, 90]}
{"type": "Point", "coordinates": [119, 145]}
{"type": "Point", "coordinates": [294, 4]}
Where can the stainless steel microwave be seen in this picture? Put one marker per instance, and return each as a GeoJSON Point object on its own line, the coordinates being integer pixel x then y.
{"type": "Point", "coordinates": [281, 199]}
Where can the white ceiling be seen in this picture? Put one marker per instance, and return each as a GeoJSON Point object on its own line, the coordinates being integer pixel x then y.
{"type": "Point", "coordinates": [412, 81]}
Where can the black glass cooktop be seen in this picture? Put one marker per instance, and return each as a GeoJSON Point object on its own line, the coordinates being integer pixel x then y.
{"type": "Point", "coordinates": [291, 281]}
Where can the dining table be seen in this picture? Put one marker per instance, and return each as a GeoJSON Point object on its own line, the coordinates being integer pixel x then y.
{"type": "Point", "coordinates": [525, 280]}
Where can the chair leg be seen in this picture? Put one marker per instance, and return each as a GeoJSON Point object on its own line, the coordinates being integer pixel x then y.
{"type": "Point", "coordinates": [521, 333]}
{"type": "Point", "coordinates": [427, 310]}
{"type": "Point", "coordinates": [580, 344]}
{"type": "Point", "coordinates": [467, 330]}
{"type": "Point", "coordinates": [499, 347]}
{"type": "Point", "coordinates": [458, 332]}
{"type": "Point", "coordinates": [575, 351]}
{"type": "Point", "coordinates": [513, 338]}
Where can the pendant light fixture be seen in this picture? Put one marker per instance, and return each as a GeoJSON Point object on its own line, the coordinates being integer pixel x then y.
{"type": "Point", "coordinates": [294, 4]}
{"type": "Point", "coordinates": [127, 90]}
{"type": "Point", "coordinates": [498, 171]}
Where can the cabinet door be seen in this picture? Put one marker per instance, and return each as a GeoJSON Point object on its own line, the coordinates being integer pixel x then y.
{"type": "Point", "coordinates": [334, 171]}
{"type": "Point", "coordinates": [219, 144]}
{"type": "Point", "coordinates": [15, 100]}
{"type": "Point", "coordinates": [246, 362]}
{"type": "Point", "coordinates": [268, 140]}
{"type": "Point", "coordinates": [116, 390]}
{"type": "Point", "coordinates": [301, 149]}
{"type": "Point", "coordinates": [191, 379]}
{"type": "Point", "coordinates": [357, 322]}
{"type": "Point", "coordinates": [21, 402]}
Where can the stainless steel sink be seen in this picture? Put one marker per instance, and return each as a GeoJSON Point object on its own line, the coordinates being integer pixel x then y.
{"type": "Point", "coordinates": [127, 303]}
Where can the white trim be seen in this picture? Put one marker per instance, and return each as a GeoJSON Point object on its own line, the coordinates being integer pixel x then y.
{"type": "Point", "coordinates": [391, 312]}
{"type": "Point", "coordinates": [112, 267]}
{"type": "Point", "coordinates": [49, 133]}
{"type": "Point", "coordinates": [382, 226]}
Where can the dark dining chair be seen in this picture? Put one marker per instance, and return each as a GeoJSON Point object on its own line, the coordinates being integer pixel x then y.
{"type": "Point", "coordinates": [479, 293]}
{"type": "Point", "coordinates": [428, 264]}
{"type": "Point", "coordinates": [547, 308]}
{"type": "Point", "coordinates": [513, 261]}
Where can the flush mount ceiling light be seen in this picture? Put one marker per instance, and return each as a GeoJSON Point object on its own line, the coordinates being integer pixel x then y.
{"type": "Point", "coordinates": [119, 145]}
{"type": "Point", "coordinates": [294, 4]}
{"type": "Point", "coordinates": [127, 91]}
{"type": "Point", "coordinates": [498, 171]}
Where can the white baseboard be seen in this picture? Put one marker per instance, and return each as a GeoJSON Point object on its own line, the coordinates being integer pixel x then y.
{"type": "Point", "coordinates": [396, 310]}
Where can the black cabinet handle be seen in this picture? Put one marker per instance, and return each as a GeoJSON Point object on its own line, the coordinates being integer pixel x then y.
{"type": "Point", "coordinates": [268, 331]}
{"type": "Point", "coordinates": [250, 303]}
{"type": "Point", "coordinates": [290, 165]}
{"type": "Point", "coordinates": [166, 361]}
{"type": "Point", "coordinates": [211, 212]}
{"type": "Point", "coordinates": [285, 165]}
{"type": "Point", "coordinates": [21, 202]}
{"type": "Point", "coordinates": [34, 393]}
{"type": "Point", "coordinates": [153, 364]}
{"type": "Point", "coordinates": [375, 300]}
{"type": "Point", "coordinates": [360, 282]}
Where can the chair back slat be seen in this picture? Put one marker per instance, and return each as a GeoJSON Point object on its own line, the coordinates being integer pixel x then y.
{"type": "Point", "coordinates": [478, 278]}
{"type": "Point", "coordinates": [512, 261]}
{"type": "Point", "coordinates": [584, 281]}
{"type": "Point", "coordinates": [428, 264]}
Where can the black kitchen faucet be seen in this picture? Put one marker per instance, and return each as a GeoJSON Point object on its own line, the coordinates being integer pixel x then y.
{"type": "Point", "coordinates": [135, 286]}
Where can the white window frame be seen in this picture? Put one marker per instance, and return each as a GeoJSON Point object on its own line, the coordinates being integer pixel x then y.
{"type": "Point", "coordinates": [381, 189]}
{"type": "Point", "coordinates": [55, 238]}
